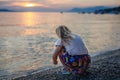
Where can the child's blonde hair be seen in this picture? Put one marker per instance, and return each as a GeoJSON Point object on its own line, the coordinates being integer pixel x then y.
{"type": "Point", "coordinates": [64, 34]}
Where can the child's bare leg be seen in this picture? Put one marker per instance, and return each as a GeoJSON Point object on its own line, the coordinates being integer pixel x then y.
{"type": "Point", "coordinates": [61, 60]}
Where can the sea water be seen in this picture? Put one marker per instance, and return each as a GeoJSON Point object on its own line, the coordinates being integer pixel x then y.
{"type": "Point", "coordinates": [27, 38]}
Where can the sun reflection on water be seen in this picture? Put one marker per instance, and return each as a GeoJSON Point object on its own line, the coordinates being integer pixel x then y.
{"type": "Point", "coordinates": [29, 18]}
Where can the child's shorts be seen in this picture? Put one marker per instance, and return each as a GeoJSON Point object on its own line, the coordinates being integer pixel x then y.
{"type": "Point", "coordinates": [76, 64]}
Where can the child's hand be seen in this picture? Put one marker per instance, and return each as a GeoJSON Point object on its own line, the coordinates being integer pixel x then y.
{"type": "Point", "coordinates": [55, 62]}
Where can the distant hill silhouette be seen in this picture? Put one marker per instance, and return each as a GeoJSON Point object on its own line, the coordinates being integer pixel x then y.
{"type": "Point", "coordinates": [6, 10]}
{"type": "Point", "coordinates": [115, 10]}
{"type": "Point", "coordinates": [95, 10]}
{"type": "Point", "coordinates": [87, 9]}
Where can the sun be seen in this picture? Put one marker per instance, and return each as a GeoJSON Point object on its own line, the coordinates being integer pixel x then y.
{"type": "Point", "coordinates": [29, 5]}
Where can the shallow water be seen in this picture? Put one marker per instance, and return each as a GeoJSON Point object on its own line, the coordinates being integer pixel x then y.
{"type": "Point", "coordinates": [27, 39]}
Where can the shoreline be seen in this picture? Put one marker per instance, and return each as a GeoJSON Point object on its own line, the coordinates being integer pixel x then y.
{"type": "Point", "coordinates": [105, 66]}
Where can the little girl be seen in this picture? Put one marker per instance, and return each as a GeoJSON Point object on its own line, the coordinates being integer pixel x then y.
{"type": "Point", "coordinates": [71, 51]}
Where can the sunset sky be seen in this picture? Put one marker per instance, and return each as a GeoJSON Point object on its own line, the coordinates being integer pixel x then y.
{"type": "Point", "coordinates": [54, 5]}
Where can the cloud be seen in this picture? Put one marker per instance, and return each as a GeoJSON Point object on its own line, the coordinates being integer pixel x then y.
{"type": "Point", "coordinates": [20, 3]}
{"type": "Point", "coordinates": [61, 4]}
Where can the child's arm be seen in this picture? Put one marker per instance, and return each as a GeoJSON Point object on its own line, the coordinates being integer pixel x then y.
{"type": "Point", "coordinates": [56, 52]}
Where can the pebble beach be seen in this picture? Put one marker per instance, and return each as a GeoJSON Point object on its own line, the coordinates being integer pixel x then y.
{"type": "Point", "coordinates": [105, 66]}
